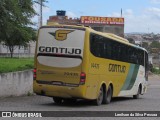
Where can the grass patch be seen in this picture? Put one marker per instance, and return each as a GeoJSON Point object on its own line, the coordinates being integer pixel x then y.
{"type": "Point", "coordinates": [156, 71]}
{"type": "Point", "coordinates": [15, 64]}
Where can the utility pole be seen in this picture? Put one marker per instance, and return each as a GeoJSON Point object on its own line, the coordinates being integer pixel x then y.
{"type": "Point", "coordinates": [40, 13]}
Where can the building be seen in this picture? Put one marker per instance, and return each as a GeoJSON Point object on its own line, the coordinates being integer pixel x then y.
{"type": "Point", "coordinates": [113, 25]}
{"type": "Point", "coordinates": [19, 51]}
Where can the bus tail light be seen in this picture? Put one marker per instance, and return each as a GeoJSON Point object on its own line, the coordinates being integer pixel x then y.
{"type": "Point", "coordinates": [82, 78]}
{"type": "Point", "coordinates": [34, 74]}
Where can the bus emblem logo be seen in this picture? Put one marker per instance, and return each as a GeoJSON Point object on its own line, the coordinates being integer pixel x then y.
{"type": "Point", "coordinates": [61, 35]}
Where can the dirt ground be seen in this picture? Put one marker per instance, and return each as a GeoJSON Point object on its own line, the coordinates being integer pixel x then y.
{"type": "Point", "coordinates": [153, 76]}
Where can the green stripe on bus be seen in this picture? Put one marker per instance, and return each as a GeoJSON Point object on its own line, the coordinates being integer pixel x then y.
{"type": "Point", "coordinates": [134, 77]}
{"type": "Point", "coordinates": [131, 77]}
{"type": "Point", "coordinates": [128, 79]}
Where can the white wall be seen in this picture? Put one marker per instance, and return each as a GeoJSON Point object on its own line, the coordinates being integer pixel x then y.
{"type": "Point", "coordinates": [19, 49]}
{"type": "Point", "coordinates": [16, 83]}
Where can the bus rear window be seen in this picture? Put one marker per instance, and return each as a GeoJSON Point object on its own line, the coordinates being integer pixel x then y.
{"type": "Point", "coordinates": [60, 47]}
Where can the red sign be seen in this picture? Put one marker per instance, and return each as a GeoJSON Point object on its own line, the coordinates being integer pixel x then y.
{"type": "Point", "coordinates": [102, 20]}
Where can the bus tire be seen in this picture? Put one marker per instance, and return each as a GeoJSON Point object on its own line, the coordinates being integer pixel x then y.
{"type": "Point", "coordinates": [99, 99]}
{"type": "Point", "coordinates": [57, 100]}
{"type": "Point", "coordinates": [70, 100]}
{"type": "Point", "coordinates": [107, 95]}
{"type": "Point", "coordinates": [138, 93]}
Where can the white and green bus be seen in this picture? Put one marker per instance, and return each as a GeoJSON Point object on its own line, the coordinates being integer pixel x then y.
{"type": "Point", "coordinates": [77, 62]}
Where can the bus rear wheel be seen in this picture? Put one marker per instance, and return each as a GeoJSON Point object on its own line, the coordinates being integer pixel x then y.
{"type": "Point", "coordinates": [99, 99]}
{"type": "Point", "coordinates": [108, 95]}
{"type": "Point", "coordinates": [57, 100]}
{"type": "Point", "coordinates": [70, 100]}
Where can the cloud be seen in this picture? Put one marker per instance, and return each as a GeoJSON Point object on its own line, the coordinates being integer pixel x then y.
{"type": "Point", "coordinates": [148, 21]}
{"type": "Point", "coordinates": [71, 14]}
{"type": "Point", "coordinates": [45, 9]}
{"type": "Point", "coordinates": [128, 12]}
{"type": "Point", "coordinates": [155, 1]}
{"type": "Point", "coordinates": [115, 14]}
{"type": "Point", "coordinates": [136, 23]}
{"type": "Point", "coordinates": [153, 11]}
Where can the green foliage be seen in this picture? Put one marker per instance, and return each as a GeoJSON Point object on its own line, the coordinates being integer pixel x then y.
{"type": "Point", "coordinates": [155, 44]}
{"type": "Point", "coordinates": [15, 22]}
{"type": "Point", "coordinates": [29, 93]}
{"type": "Point", "coordinates": [156, 71]}
{"type": "Point", "coordinates": [15, 64]}
{"type": "Point", "coordinates": [131, 40]}
{"type": "Point", "coordinates": [145, 45]}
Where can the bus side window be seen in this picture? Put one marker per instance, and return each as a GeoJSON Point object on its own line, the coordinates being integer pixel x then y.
{"type": "Point", "coordinates": [93, 43]}
{"type": "Point", "coordinates": [119, 52]}
{"type": "Point", "coordinates": [99, 49]}
{"type": "Point", "coordinates": [108, 49]}
{"type": "Point", "coordinates": [129, 54]}
{"type": "Point", "coordinates": [114, 50]}
{"type": "Point", "coordinates": [123, 53]}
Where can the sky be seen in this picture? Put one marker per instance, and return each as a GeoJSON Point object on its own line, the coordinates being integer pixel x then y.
{"type": "Point", "coordinates": [140, 15]}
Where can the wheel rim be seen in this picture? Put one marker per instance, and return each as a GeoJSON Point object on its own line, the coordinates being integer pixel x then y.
{"type": "Point", "coordinates": [100, 96]}
{"type": "Point", "coordinates": [109, 94]}
{"type": "Point", "coordinates": [139, 91]}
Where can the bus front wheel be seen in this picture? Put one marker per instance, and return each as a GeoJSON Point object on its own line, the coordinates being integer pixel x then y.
{"type": "Point", "coordinates": [138, 93]}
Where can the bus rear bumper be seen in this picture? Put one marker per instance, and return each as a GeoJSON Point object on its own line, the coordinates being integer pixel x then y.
{"type": "Point", "coordinates": [59, 91]}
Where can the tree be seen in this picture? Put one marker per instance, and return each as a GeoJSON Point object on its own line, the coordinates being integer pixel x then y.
{"type": "Point", "coordinates": [155, 44]}
{"type": "Point", "coordinates": [145, 45]}
{"type": "Point", "coordinates": [40, 2]}
{"type": "Point", "coordinates": [155, 47]}
{"type": "Point", "coordinates": [131, 40]}
{"type": "Point", "coordinates": [15, 22]}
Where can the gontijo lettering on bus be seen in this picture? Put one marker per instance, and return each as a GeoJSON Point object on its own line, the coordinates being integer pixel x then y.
{"type": "Point", "coordinates": [116, 68]}
{"type": "Point", "coordinates": [60, 50]}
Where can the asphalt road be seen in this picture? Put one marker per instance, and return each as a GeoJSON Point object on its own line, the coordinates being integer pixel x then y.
{"type": "Point", "coordinates": [147, 102]}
